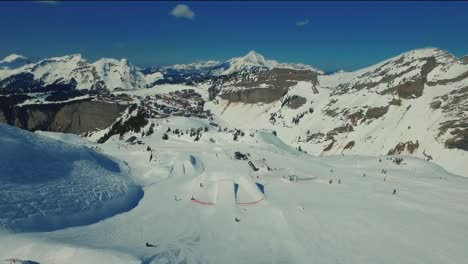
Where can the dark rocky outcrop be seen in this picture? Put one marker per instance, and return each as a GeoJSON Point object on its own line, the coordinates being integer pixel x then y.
{"type": "Point", "coordinates": [275, 84]}
{"type": "Point", "coordinates": [350, 145]}
{"type": "Point", "coordinates": [294, 101]}
{"type": "Point", "coordinates": [459, 141]}
{"type": "Point", "coordinates": [402, 147]}
{"type": "Point", "coordinates": [75, 117]}
{"type": "Point", "coordinates": [376, 112]}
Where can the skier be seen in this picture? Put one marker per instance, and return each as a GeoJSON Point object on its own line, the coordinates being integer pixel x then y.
{"type": "Point", "coordinates": [150, 245]}
{"type": "Point", "coordinates": [201, 185]}
{"type": "Point", "coordinates": [394, 191]}
{"type": "Point", "coordinates": [339, 181]}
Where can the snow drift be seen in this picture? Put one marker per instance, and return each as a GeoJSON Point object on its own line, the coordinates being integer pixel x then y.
{"type": "Point", "coordinates": [47, 184]}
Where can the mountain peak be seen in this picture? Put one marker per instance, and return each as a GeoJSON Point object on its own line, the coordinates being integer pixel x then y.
{"type": "Point", "coordinates": [254, 58]}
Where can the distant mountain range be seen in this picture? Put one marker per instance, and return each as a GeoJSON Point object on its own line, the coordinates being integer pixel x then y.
{"type": "Point", "coordinates": [415, 103]}
{"type": "Point", "coordinates": [19, 73]}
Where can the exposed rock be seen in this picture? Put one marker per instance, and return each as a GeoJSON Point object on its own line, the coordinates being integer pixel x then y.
{"type": "Point", "coordinates": [459, 141]}
{"type": "Point", "coordinates": [254, 95]}
{"type": "Point", "coordinates": [376, 112]}
{"type": "Point", "coordinates": [350, 145]}
{"type": "Point", "coordinates": [330, 146]}
{"type": "Point", "coordinates": [402, 147]}
{"type": "Point", "coordinates": [435, 104]}
{"type": "Point", "coordinates": [395, 101]}
{"type": "Point", "coordinates": [341, 129]}
{"type": "Point", "coordinates": [354, 117]}
{"type": "Point", "coordinates": [315, 136]}
{"type": "Point", "coordinates": [86, 116]}
{"type": "Point", "coordinates": [464, 59]}
{"type": "Point", "coordinates": [294, 101]}
{"type": "Point", "coordinates": [262, 86]}
{"type": "Point", "coordinates": [74, 117]}
{"type": "Point", "coordinates": [331, 112]}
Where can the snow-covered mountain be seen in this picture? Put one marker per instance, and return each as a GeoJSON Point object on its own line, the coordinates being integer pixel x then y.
{"type": "Point", "coordinates": [17, 73]}
{"type": "Point", "coordinates": [415, 103]}
{"type": "Point", "coordinates": [222, 162]}
{"type": "Point", "coordinates": [254, 60]}
{"type": "Point", "coordinates": [73, 72]}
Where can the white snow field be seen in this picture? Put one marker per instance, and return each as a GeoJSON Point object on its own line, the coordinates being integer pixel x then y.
{"type": "Point", "coordinates": [47, 184]}
{"type": "Point", "coordinates": [357, 221]}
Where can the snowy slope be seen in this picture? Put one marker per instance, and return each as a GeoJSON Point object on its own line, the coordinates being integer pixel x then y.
{"type": "Point", "coordinates": [47, 185]}
{"type": "Point", "coordinates": [356, 221]}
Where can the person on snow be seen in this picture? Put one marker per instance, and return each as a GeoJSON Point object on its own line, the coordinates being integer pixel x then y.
{"type": "Point", "coordinates": [339, 181]}
{"type": "Point", "coordinates": [237, 219]}
{"type": "Point", "coordinates": [394, 191]}
{"type": "Point", "coordinates": [150, 245]}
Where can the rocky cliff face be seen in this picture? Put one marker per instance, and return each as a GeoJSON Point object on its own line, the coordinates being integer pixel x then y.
{"type": "Point", "coordinates": [75, 117]}
{"type": "Point", "coordinates": [262, 85]}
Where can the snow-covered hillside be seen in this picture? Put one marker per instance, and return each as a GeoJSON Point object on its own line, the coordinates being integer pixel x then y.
{"type": "Point", "coordinates": [74, 71]}
{"type": "Point", "coordinates": [47, 185]}
{"type": "Point", "coordinates": [257, 200]}
{"type": "Point", "coordinates": [415, 103]}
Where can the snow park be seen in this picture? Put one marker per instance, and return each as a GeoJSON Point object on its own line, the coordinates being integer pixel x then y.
{"type": "Point", "coordinates": [74, 200]}
{"type": "Point", "coordinates": [152, 132]}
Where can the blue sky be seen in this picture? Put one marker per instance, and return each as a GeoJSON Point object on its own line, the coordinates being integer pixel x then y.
{"type": "Point", "coordinates": [329, 35]}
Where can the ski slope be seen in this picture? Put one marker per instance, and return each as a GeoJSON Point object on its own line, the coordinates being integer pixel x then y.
{"type": "Point", "coordinates": [47, 185]}
{"type": "Point", "coordinates": [309, 221]}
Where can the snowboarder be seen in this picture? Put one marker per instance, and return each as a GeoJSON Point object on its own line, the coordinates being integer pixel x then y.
{"type": "Point", "coordinates": [237, 219]}
{"type": "Point", "coordinates": [150, 245]}
{"type": "Point", "coordinates": [394, 191]}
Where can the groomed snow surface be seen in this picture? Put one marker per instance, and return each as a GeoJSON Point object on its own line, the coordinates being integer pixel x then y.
{"type": "Point", "coordinates": [357, 221]}
{"type": "Point", "coordinates": [47, 185]}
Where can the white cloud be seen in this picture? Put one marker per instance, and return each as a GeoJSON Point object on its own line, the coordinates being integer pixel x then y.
{"type": "Point", "coordinates": [302, 23]}
{"type": "Point", "coordinates": [182, 11]}
{"type": "Point", "coordinates": [48, 2]}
